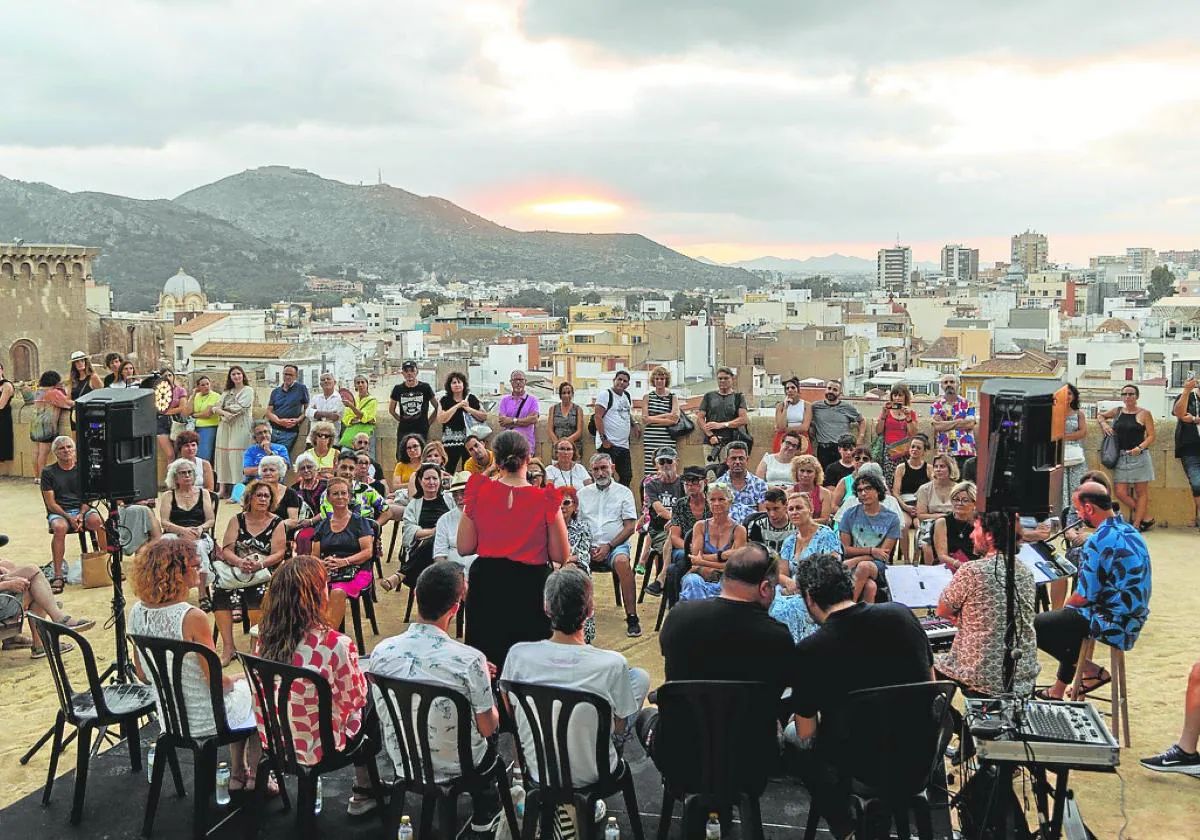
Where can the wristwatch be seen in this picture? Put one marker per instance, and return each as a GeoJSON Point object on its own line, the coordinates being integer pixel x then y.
{"type": "Point", "coordinates": [720, 556]}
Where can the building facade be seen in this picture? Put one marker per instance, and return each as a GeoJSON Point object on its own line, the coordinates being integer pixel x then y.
{"type": "Point", "coordinates": [893, 267]}
{"type": "Point", "coordinates": [1031, 251]}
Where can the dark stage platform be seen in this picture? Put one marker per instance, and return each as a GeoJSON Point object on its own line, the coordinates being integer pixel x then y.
{"type": "Point", "coordinates": [116, 801]}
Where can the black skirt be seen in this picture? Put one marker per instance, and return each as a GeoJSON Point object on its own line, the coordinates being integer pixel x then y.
{"type": "Point", "coordinates": [505, 605]}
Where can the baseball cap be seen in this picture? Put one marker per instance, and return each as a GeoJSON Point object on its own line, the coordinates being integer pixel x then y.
{"type": "Point", "coordinates": [664, 453]}
{"type": "Point", "coordinates": [409, 364]}
{"type": "Point", "coordinates": [694, 474]}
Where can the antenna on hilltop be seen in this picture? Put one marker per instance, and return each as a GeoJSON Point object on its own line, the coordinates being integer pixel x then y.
{"type": "Point", "coordinates": [381, 176]}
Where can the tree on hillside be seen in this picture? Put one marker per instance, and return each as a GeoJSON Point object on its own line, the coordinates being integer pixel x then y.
{"type": "Point", "coordinates": [430, 309]}
{"type": "Point", "coordinates": [591, 297]}
{"type": "Point", "coordinates": [1162, 283]}
{"type": "Point", "coordinates": [683, 305]}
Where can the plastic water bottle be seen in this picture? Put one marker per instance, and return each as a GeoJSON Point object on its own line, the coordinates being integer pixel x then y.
{"type": "Point", "coordinates": [518, 798]}
{"type": "Point", "coordinates": [405, 832]}
{"type": "Point", "coordinates": [150, 763]}
{"type": "Point", "coordinates": [612, 831]}
{"type": "Point", "coordinates": [222, 783]}
{"type": "Point", "coordinates": [712, 829]}
{"type": "Point", "coordinates": [317, 804]}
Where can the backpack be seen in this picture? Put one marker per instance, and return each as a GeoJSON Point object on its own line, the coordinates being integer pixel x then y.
{"type": "Point", "coordinates": [591, 426]}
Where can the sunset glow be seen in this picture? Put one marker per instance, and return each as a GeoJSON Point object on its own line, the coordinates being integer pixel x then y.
{"type": "Point", "coordinates": [576, 207]}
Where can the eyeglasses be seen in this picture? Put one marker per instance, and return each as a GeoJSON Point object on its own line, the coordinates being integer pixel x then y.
{"type": "Point", "coordinates": [265, 496]}
{"type": "Point", "coordinates": [567, 502]}
{"type": "Point", "coordinates": [323, 435]}
{"type": "Point", "coordinates": [861, 458]}
{"type": "Point", "coordinates": [963, 500]}
{"type": "Point", "coordinates": [307, 467]}
{"type": "Point", "coordinates": [1128, 394]}
{"type": "Point", "coordinates": [533, 475]}
{"type": "Point", "coordinates": [185, 472]}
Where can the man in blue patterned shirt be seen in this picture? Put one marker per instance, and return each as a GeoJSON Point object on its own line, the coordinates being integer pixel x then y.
{"type": "Point", "coordinates": [1112, 597]}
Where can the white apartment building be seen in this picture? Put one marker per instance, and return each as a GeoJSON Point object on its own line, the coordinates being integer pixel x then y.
{"type": "Point", "coordinates": [223, 326]}
{"type": "Point", "coordinates": [959, 263]}
{"type": "Point", "coordinates": [893, 267]}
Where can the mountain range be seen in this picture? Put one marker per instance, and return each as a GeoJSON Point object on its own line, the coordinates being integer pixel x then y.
{"type": "Point", "coordinates": [250, 237]}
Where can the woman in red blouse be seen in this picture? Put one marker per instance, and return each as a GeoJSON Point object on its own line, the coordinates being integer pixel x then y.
{"type": "Point", "coordinates": [295, 629]}
{"type": "Point", "coordinates": [519, 533]}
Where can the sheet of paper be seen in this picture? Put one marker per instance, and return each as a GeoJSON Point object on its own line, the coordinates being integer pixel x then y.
{"type": "Point", "coordinates": [918, 587]}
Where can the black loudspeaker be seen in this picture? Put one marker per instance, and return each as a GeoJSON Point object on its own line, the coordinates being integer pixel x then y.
{"type": "Point", "coordinates": [1019, 443]}
{"type": "Point", "coordinates": [115, 436]}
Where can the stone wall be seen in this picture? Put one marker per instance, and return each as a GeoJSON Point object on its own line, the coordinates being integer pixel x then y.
{"type": "Point", "coordinates": [1170, 496]}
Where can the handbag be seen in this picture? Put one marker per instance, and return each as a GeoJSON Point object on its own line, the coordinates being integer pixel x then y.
{"type": "Point", "coordinates": [1110, 452]}
{"type": "Point", "coordinates": [1073, 453]}
{"type": "Point", "coordinates": [681, 427]}
{"type": "Point", "coordinates": [897, 451]}
{"type": "Point", "coordinates": [229, 577]}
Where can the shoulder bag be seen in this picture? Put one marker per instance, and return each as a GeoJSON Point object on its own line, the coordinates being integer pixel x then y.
{"type": "Point", "coordinates": [683, 426]}
{"type": "Point", "coordinates": [1110, 452]}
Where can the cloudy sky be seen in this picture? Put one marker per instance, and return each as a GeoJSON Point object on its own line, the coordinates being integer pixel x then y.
{"type": "Point", "coordinates": [724, 128]}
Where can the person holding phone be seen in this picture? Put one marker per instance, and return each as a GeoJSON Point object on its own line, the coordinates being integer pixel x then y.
{"type": "Point", "coordinates": [1187, 437]}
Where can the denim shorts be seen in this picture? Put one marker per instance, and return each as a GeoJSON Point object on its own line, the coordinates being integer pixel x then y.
{"type": "Point", "coordinates": [1191, 466]}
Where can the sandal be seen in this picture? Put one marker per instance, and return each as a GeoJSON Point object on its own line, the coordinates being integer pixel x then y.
{"type": "Point", "coordinates": [1089, 684]}
{"type": "Point", "coordinates": [63, 647]}
{"type": "Point", "coordinates": [79, 625]}
{"type": "Point", "coordinates": [18, 642]}
{"type": "Point", "coordinates": [1044, 694]}
{"type": "Point", "coordinates": [57, 585]}
{"type": "Point", "coordinates": [387, 584]}
{"type": "Point", "coordinates": [1146, 525]}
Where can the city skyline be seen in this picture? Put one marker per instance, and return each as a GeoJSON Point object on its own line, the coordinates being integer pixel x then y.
{"type": "Point", "coordinates": [724, 132]}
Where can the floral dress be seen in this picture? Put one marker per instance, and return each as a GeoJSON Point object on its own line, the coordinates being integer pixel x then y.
{"type": "Point", "coordinates": [790, 610]}
{"type": "Point", "coordinates": [579, 542]}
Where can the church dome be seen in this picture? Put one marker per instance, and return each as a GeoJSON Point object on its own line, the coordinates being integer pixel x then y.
{"type": "Point", "coordinates": [182, 284]}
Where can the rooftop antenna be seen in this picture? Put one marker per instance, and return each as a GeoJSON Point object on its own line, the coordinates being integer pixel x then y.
{"type": "Point", "coordinates": [381, 176]}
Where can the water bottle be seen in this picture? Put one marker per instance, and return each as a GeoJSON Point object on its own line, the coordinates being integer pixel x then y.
{"type": "Point", "coordinates": [518, 798]}
{"type": "Point", "coordinates": [150, 763]}
{"type": "Point", "coordinates": [317, 803]}
{"type": "Point", "coordinates": [712, 829]}
{"type": "Point", "coordinates": [612, 831]}
{"type": "Point", "coordinates": [222, 783]}
{"type": "Point", "coordinates": [405, 832]}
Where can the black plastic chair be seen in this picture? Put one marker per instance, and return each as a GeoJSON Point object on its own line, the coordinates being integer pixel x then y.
{"type": "Point", "coordinates": [162, 660]}
{"type": "Point", "coordinates": [715, 744]}
{"type": "Point", "coordinates": [654, 563]}
{"type": "Point", "coordinates": [101, 706]}
{"type": "Point", "coordinates": [273, 684]}
{"type": "Point", "coordinates": [549, 711]}
{"type": "Point", "coordinates": [890, 742]}
{"type": "Point", "coordinates": [407, 705]}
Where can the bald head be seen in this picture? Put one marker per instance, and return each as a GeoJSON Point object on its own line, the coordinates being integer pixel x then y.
{"type": "Point", "coordinates": [1092, 502]}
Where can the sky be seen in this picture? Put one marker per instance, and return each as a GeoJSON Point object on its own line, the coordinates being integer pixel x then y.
{"type": "Point", "coordinates": [723, 129]}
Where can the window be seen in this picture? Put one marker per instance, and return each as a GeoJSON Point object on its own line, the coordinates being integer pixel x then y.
{"type": "Point", "coordinates": [1128, 374]}
{"type": "Point", "coordinates": [24, 357]}
{"type": "Point", "coordinates": [1081, 358]}
{"type": "Point", "coordinates": [760, 360]}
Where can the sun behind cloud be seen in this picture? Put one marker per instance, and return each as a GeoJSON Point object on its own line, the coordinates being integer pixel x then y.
{"type": "Point", "coordinates": [575, 207]}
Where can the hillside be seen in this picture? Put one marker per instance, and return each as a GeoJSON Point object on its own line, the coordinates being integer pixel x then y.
{"type": "Point", "coordinates": [385, 230]}
{"type": "Point", "coordinates": [145, 242]}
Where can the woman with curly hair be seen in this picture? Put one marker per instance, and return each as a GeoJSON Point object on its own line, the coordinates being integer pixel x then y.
{"type": "Point", "coordinates": [459, 408]}
{"type": "Point", "coordinates": [409, 459]}
{"type": "Point", "coordinates": [323, 451]}
{"type": "Point", "coordinates": [187, 446]}
{"type": "Point", "coordinates": [164, 572]}
{"type": "Point", "coordinates": [296, 630]}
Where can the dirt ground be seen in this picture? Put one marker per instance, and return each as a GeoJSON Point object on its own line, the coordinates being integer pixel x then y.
{"type": "Point", "coordinates": [1157, 806]}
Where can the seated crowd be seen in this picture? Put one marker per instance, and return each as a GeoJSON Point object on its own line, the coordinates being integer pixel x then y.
{"type": "Point", "coordinates": [773, 574]}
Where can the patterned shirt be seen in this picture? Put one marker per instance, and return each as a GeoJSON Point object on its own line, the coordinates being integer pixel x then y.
{"type": "Point", "coordinates": [681, 515]}
{"type": "Point", "coordinates": [1114, 581]}
{"type": "Point", "coordinates": [335, 657]}
{"type": "Point", "coordinates": [746, 500]}
{"type": "Point", "coordinates": [365, 501]}
{"type": "Point", "coordinates": [956, 441]}
{"type": "Point", "coordinates": [976, 658]}
{"type": "Point", "coordinates": [425, 653]}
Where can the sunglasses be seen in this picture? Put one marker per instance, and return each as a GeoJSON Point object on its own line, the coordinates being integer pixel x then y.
{"type": "Point", "coordinates": [861, 458]}
{"type": "Point", "coordinates": [323, 435]}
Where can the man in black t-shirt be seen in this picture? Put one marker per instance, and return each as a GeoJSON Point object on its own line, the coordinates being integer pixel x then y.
{"type": "Point", "coordinates": [660, 491]}
{"type": "Point", "coordinates": [858, 646]}
{"type": "Point", "coordinates": [771, 526]}
{"type": "Point", "coordinates": [413, 404]}
{"type": "Point", "coordinates": [731, 637]}
{"type": "Point", "coordinates": [722, 413]}
{"type": "Point", "coordinates": [67, 512]}
{"type": "Point", "coordinates": [845, 465]}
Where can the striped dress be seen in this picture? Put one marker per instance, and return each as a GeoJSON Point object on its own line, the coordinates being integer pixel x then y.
{"type": "Point", "coordinates": [655, 436]}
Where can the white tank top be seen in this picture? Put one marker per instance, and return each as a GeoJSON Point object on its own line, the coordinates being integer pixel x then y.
{"type": "Point", "coordinates": [794, 413]}
{"type": "Point", "coordinates": [778, 472]}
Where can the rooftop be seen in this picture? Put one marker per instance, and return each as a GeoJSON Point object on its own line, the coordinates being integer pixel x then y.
{"type": "Point", "coordinates": [1031, 362]}
{"type": "Point", "coordinates": [243, 349]}
{"type": "Point", "coordinates": [945, 347]}
{"type": "Point", "coordinates": [204, 319]}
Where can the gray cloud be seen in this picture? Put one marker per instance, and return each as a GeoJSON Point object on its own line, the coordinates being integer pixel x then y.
{"type": "Point", "coordinates": [773, 145]}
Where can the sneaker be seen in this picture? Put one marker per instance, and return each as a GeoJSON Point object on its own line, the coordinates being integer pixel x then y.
{"type": "Point", "coordinates": [655, 588]}
{"type": "Point", "coordinates": [633, 627]}
{"type": "Point", "coordinates": [486, 826]}
{"type": "Point", "coordinates": [360, 804]}
{"type": "Point", "coordinates": [1174, 760]}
